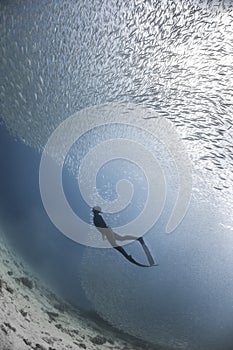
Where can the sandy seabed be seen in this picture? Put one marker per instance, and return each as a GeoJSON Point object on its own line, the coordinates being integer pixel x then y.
{"type": "Point", "coordinates": [33, 317]}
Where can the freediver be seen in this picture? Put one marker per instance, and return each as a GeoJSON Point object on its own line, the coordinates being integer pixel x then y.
{"type": "Point", "coordinates": [112, 237]}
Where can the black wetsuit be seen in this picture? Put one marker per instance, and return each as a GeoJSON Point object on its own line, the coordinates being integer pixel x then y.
{"type": "Point", "coordinates": [99, 221]}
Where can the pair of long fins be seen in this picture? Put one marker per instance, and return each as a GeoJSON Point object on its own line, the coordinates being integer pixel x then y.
{"type": "Point", "coordinates": [131, 259]}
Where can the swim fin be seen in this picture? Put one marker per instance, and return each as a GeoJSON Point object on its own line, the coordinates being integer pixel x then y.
{"type": "Point", "coordinates": [147, 252]}
{"type": "Point", "coordinates": [129, 257]}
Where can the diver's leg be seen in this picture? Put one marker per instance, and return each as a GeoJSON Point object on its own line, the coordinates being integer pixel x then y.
{"type": "Point", "coordinates": [124, 238]}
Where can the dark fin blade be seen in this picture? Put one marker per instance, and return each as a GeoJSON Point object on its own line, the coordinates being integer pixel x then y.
{"type": "Point", "coordinates": [129, 257]}
{"type": "Point", "coordinates": [147, 252]}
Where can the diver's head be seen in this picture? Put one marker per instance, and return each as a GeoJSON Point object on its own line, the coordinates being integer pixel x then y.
{"type": "Point", "coordinates": [96, 209]}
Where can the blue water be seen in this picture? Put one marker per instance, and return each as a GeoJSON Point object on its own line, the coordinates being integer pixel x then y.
{"type": "Point", "coordinates": [27, 225]}
{"type": "Point", "coordinates": [59, 57]}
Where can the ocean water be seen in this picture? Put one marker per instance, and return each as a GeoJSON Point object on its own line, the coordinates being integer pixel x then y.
{"type": "Point", "coordinates": [174, 58]}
